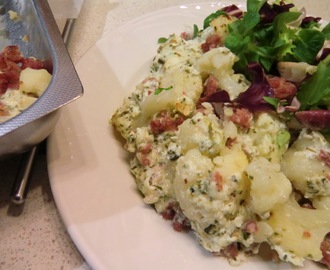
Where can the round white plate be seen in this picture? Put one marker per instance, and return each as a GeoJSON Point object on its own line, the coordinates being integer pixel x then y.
{"type": "Point", "coordinates": [88, 168]}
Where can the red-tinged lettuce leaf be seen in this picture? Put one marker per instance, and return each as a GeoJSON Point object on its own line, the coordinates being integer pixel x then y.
{"type": "Point", "coordinates": [218, 97]}
{"type": "Point", "coordinates": [324, 54]}
{"type": "Point", "coordinates": [253, 97]}
{"type": "Point", "coordinates": [308, 20]}
{"type": "Point", "coordinates": [234, 11]}
{"type": "Point", "coordinates": [269, 12]}
{"type": "Point", "coordinates": [314, 119]}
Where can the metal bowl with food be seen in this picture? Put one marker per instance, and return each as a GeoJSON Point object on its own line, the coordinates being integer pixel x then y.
{"type": "Point", "coordinates": [30, 25]}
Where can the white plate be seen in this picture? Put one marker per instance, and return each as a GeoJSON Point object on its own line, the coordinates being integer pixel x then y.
{"type": "Point", "coordinates": [89, 174]}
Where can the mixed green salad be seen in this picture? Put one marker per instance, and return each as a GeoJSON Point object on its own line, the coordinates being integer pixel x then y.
{"type": "Point", "coordinates": [284, 41]}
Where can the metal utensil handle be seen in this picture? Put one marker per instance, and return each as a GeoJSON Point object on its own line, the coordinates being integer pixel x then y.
{"type": "Point", "coordinates": [68, 29]}
{"type": "Point", "coordinates": [22, 181]}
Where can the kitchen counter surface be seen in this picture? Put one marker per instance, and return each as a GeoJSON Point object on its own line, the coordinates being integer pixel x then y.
{"type": "Point", "coordinates": [32, 235]}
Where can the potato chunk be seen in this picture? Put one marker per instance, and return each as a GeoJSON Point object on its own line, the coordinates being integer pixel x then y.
{"type": "Point", "coordinates": [298, 232]}
{"type": "Point", "coordinates": [269, 186]}
{"type": "Point", "coordinates": [34, 81]}
{"type": "Point", "coordinates": [306, 164]}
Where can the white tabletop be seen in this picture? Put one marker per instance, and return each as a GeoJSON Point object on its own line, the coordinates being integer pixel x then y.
{"type": "Point", "coordinates": [32, 235]}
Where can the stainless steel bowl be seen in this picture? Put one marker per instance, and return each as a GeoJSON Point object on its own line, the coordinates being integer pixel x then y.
{"type": "Point", "coordinates": [33, 125]}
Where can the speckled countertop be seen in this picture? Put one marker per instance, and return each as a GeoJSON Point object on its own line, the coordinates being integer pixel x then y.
{"type": "Point", "coordinates": [32, 235]}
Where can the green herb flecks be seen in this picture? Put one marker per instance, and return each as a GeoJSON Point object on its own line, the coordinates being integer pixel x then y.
{"type": "Point", "coordinates": [283, 138]}
{"type": "Point", "coordinates": [162, 40]}
{"type": "Point", "coordinates": [196, 31]}
{"type": "Point", "coordinates": [161, 89]}
{"type": "Point", "coordinates": [272, 101]}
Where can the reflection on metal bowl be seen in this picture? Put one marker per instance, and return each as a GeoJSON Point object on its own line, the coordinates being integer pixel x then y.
{"type": "Point", "coordinates": [36, 33]}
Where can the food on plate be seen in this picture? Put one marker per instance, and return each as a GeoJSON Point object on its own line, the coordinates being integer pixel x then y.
{"type": "Point", "coordinates": [230, 132]}
{"type": "Point", "coordinates": [22, 81]}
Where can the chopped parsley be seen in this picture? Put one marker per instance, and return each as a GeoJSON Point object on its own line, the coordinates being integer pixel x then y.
{"type": "Point", "coordinates": [161, 89]}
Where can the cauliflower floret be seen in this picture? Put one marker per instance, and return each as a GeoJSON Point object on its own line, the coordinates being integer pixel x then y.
{"type": "Point", "coordinates": [219, 63]}
{"type": "Point", "coordinates": [178, 76]}
{"type": "Point", "coordinates": [220, 25]}
{"type": "Point", "coordinates": [202, 132]}
{"type": "Point", "coordinates": [267, 137]}
{"type": "Point", "coordinates": [210, 200]}
{"type": "Point", "coordinates": [151, 166]}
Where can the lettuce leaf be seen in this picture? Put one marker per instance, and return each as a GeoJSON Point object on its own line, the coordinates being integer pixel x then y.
{"type": "Point", "coordinates": [315, 92]}
{"type": "Point", "coordinates": [307, 45]}
{"type": "Point", "coordinates": [326, 31]}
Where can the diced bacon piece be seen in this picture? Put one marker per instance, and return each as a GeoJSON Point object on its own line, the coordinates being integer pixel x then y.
{"type": "Point", "coordinates": [180, 222]}
{"type": "Point", "coordinates": [3, 62]}
{"type": "Point", "coordinates": [144, 160]}
{"type": "Point", "coordinates": [230, 251]}
{"type": "Point", "coordinates": [185, 36]}
{"type": "Point", "coordinates": [174, 213]}
{"type": "Point", "coordinates": [282, 88]}
{"type": "Point", "coordinates": [11, 64]}
{"type": "Point", "coordinates": [142, 154]}
{"type": "Point", "coordinates": [251, 227]}
{"type": "Point", "coordinates": [216, 176]}
{"type": "Point", "coordinates": [146, 148]}
{"type": "Point", "coordinates": [3, 111]}
{"type": "Point", "coordinates": [325, 248]}
{"type": "Point", "coordinates": [212, 41]}
{"type": "Point", "coordinates": [325, 157]}
{"type": "Point", "coordinates": [3, 83]}
{"type": "Point", "coordinates": [242, 117]}
{"type": "Point", "coordinates": [12, 72]}
{"type": "Point", "coordinates": [165, 122]}
{"type": "Point", "coordinates": [12, 53]}
{"type": "Point", "coordinates": [169, 212]}
{"type": "Point", "coordinates": [210, 87]}
{"type": "Point", "coordinates": [32, 63]}
{"type": "Point", "coordinates": [230, 142]}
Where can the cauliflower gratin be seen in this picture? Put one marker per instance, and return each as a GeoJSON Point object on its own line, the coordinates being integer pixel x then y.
{"type": "Point", "coordinates": [229, 132]}
{"type": "Point", "coordinates": [22, 81]}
